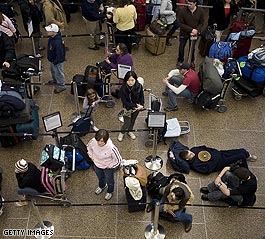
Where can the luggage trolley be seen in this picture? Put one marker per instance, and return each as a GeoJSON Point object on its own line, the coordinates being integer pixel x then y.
{"type": "Point", "coordinates": [174, 128]}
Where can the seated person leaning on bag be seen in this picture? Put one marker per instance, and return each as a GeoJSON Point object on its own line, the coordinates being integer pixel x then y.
{"type": "Point", "coordinates": [29, 181]}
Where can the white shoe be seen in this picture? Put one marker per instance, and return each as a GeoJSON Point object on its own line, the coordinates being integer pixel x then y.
{"type": "Point", "coordinates": [21, 203]}
{"type": "Point", "coordinates": [132, 135]}
{"type": "Point", "coordinates": [95, 128]}
{"type": "Point", "coordinates": [108, 196]}
{"type": "Point", "coordinates": [120, 137]}
{"type": "Point", "coordinates": [100, 190]}
{"type": "Point", "coordinates": [252, 158]}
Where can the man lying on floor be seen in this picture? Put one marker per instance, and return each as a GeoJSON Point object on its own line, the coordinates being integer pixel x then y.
{"type": "Point", "coordinates": [206, 160]}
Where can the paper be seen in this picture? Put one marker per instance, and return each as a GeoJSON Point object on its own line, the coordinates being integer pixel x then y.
{"type": "Point", "coordinates": [122, 70]}
{"type": "Point", "coordinates": [30, 27]}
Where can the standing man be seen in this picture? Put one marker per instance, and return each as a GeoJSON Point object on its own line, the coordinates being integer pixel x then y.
{"type": "Point", "coordinates": [191, 20]}
{"type": "Point", "coordinates": [56, 57]}
{"type": "Point", "coordinates": [92, 12]}
{"type": "Point", "coordinates": [30, 11]}
{"type": "Point", "coordinates": [187, 86]}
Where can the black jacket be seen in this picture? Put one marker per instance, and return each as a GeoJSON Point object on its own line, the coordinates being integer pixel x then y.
{"type": "Point", "coordinates": [7, 49]}
{"type": "Point", "coordinates": [31, 178]}
{"type": "Point", "coordinates": [90, 11]}
{"type": "Point", "coordinates": [56, 49]}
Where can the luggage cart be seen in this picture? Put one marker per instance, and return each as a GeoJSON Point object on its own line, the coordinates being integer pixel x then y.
{"type": "Point", "coordinates": [174, 128]}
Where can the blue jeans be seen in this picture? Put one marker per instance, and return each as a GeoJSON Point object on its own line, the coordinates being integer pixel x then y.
{"type": "Point", "coordinates": [27, 191]}
{"type": "Point", "coordinates": [58, 75]}
{"type": "Point", "coordinates": [181, 215]}
{"type": "Point", "coordinates": [105, 176]}
{"type": "Point", "coordinates": [182, 43]}
{"type": "Point", "coordinates": [172, 97]}
{"type": "Point", "coordinates": [231, 181]}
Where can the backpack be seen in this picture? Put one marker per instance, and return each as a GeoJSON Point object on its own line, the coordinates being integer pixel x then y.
{"type": "Point", "coordinates": [52, 157]}
{"type": "Point", "coordinates": [257, 57]}
{"type": "Point", "coordinates": [207, 100]}
{"type": "Point", "coordinates": [80, 162]}
{"type": "Point", "coordinates": [221, 50]}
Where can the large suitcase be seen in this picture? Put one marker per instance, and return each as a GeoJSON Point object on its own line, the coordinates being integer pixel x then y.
{"type": "Point", "coordinates": [135, 205]}
{"type": "Point", "coordinates": [81, 86]}
{"type": "Point", "coordinates": [32, 126]}
{"type": "Point", "coordinates": [155, 44]}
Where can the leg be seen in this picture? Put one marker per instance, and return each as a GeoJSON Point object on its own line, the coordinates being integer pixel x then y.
{"type": "Point", "coordinates": [126, 124]}
{"type": "Point", "coordinates": [27, 191]}
{"type": "Point", "coordinates": [109, 176]}
{"type": "Point", "coordinates": [133, 119]}
{"type": "Point", "coordinates": [91, 29]}
{"type": "Point", "coordinates": [233, 155]}
{"type": "Point", "coordinates": [52, 68]}
{"type": "Point", "coordinates": [97, 31]}
{"type": "Point", "coordinates": [214, 193]}
{"type": "Point", "coordinates": [183, 217]}
{"type": "Point", "coordinates": [59, 76]}
{"type": "Point", "coordinates": [182, 44]}
{"type": "Point", "coordinates": [101, 176]}
{"type": "Point", "coordinates": [171, 100]}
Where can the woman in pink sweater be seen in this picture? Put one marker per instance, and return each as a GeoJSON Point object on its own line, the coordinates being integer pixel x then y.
{"type": "Point", "coordinates": [106, 158]}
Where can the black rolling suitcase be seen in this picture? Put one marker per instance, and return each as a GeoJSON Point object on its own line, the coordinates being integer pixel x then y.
{"type": "Point", "coordinates": [81, 85]}
{"type": "Point", "coordinates": [135, 205]}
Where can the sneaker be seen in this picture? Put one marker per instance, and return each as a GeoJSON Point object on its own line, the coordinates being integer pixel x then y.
{"type": "Point", "coordinates": [100, 190]}
{"type": "Point", "coordinates": [108, 196]}
{"type": "Point", "coordinates": [204, 190]}
{"type": "Point", "coordinates": [204, 197]}
{"type": "Point", "coordinates": [165, 93]}
{"type": "Point", "coordinates": [57, 91]}
{"type": "Point", "coordinates": [41, 48]}
{"type": "Point", "coordinates": [132, 135]}
{"type": "Point", "coordinates": [95, 128]}
{"type": "Point", "coordinates": [21, 203]}
{"type": "Point", "coordinates": [39, 55]}
{"type": "Point", "coordinates": [167, 109]}
{"type": "Point", "coordinates": [120, 118]}
{"type": "Point", "coordinates": [188, 227]}
{"type": "Point", "coordinates": [120, 137]}
{"type": "Point", "coordinates": [252, 158]}
{"type": "Point", "coordinates": [1, 209]}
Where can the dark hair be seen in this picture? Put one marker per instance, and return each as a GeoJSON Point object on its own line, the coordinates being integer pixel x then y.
{"type": "Point", "coordinates": [183, 154]}
{"type": "Point", "coordinates": [195, 1]}
{"type": "Point", "coordinates": [123, 3]}
{"type": "Point", "coordinates": [1, 17]}
{"type": "Point", "coordinates": [123, 48]}
{"type": "Point", "coordinates": [128, 75]}
{"type": "Point", "coordinates": [179, 193]}
{"type": "Point", "coordinates": [241, 173]}
{"type": "Point", "coordinates": [91, 95]}
{"type": "Point", "coordinates": [102, 134]}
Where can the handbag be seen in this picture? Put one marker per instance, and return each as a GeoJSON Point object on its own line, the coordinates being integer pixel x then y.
{"type": "Point", "coordinates": [159, 25]}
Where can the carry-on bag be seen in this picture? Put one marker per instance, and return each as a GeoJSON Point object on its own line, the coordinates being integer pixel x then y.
{"type": "Point", "coordinates": [82, 126]}
{"type": "Point", "coordinates": [32, 125]}
{"type": "Point", "coordinates": [80, 84]}
{"type": "Point", "coordinates": [52, 157]}
{"type": "Point", "coordinates": [155, 44]}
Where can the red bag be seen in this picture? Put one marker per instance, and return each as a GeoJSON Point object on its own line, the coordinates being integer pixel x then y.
{"type": "Point", "coordinates": [238, 25]}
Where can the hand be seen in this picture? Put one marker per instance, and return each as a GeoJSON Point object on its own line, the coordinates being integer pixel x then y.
{"type": "Point", "coordinates": [107, 60]}
{"type": "Point", "coordinates": [6, 64]}
{"type": "Point", "coordinates": [101, 8]}
{"type": "Point", "coordinates": [139, 107]}
{"type": "Point", "coordinates": [194, 32]}
{"type": "Point", "coordinates": [172, 213]}
{"type": "Point", "coordinates": [171, 155]}
{"type": "Point", "coordinates": [165, 80]}
{"type": "Point", "coordinates": [217, 181]}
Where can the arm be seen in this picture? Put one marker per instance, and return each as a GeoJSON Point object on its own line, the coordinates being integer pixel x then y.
{"type": "Point", "coordinates": [116, 157]}
{"type": "Point", "coordinates": [10, 25]}
{"type": "Point", "coordinates": [9, 47]}
{"type": "Point", "coordinates": [218, 182]}
{"type": "Point", "coordinates": [175, 89]}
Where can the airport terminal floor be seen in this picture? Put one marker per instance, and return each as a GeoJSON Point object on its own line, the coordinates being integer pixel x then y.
{"type": "Point", "coordinates": [242, 125]}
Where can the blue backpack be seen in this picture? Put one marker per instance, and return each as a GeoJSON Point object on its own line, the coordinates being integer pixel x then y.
{"type": "Point", "coordinates": [221, 50]}
{"type": "Point", "coordinates": [253, 73]}
{"type": "Point", "coordinates": [80, 162]}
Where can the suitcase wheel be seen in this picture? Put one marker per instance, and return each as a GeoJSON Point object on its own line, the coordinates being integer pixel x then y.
{"type": "Point", "coordinates": [110, 104]}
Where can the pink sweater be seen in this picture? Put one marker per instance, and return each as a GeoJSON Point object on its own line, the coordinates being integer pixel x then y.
{"type": "Point", "coordinates": [107, 156]}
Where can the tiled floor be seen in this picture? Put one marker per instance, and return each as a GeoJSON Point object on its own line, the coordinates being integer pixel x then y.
{"type": "Point", "coordinates": [241, 126]}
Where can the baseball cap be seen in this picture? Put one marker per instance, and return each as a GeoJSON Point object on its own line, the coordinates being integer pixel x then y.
{"type": "Point", "coordinates": [52, 28]}
{"type": "Point", "coordinates": [184, 65]}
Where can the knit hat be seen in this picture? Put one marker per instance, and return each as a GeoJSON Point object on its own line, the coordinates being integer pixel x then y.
{"type": "Point", "coordinates": [242, 173]}
{"type": "Point", "coordinates": [134, 187]}
{"type": "Point", "coordinates": [21, 166]}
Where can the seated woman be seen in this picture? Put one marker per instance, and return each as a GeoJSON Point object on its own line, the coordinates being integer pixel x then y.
{"type": "Point", "coordinates": [91, 103]}
{"type": "Point", "coordinates": [121, 56]}
{"type": "Point", "coordinates": [29, 181]}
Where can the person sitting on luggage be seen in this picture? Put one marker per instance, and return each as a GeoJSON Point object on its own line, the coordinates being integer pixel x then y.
{"type": "Point", "coordinates": [29, 181]}
{"type": "Point", "coordinates": [188, 86]}
{"type": "Point", "coordinates": [91, 103]}
{"type": "Point", "coordinates": [106, 158]}
{"type": "Point", "coordinates": [7, 50]}
{"type": "Point", "coordinates": [176, 196]}
{"type": "Point", "coordinates": [232, 183]}
{"type": "Point", "coordinates": [205, 160]}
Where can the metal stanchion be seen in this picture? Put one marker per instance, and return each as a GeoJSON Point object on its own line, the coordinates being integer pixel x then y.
{"type": "Point", "coordinates": [76, 115]}
{"type": "Point", "coordinates": [45, 226]}
{"type": "Point", "coordinates": [155, 121]}
{"type": "Point", "coordinates": [155, 230]}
